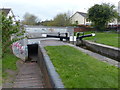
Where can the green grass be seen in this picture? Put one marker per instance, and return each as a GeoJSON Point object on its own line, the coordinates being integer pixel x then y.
{"type": "Point", "coordinates": [0, 63]}
{"type": "Point", "coordinates": [79, 70]}
{"type": "Point", "coordinates": [8, 62]}
{"type": "Point", "coordinates": [107, 38]}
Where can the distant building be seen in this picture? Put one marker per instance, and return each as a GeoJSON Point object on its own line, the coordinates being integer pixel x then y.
{"type": "Point", "coordinates": [8, 12]}
{"type": "Point", "coordinates": [119, 8]}
{"type": "Point", "coordinates": [119, 11]}
{"type": "Point", "coordinates": [79, 18]}
{"type": "Point", "coordinates": [116, 22]}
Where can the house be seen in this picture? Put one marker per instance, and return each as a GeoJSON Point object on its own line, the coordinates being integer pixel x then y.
{"type": "Point", "coordinates": [119, 8]}
{"type": "Point", "coordinates": [119, 11]}
{"type": "Point", "coordinates": [116, 21]}
{"type": "Point", "coordinates": [8, 12]}
{"type": "Point", "coordinates": [79, 18]}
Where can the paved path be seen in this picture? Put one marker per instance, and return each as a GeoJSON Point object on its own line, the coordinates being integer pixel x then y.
{"type": "Point", "coordinates": [52, 43]}
{"type": "Point", "coordinates": [98, 56]}
{"type": "Point", "coordinates": [30, 76]}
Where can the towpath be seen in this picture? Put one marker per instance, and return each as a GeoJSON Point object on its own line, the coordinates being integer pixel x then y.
{"type": "Point", "coordinates": [29, 76]}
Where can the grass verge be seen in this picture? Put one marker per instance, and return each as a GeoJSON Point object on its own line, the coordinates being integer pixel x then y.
{"type": "Point", "coordinates": [79, 70]}
{"type": "Point", "coordinates": [0, 63]}
{"type": "Point", "coordinates": [8, 63]}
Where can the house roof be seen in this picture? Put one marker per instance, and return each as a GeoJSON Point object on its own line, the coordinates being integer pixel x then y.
{"type": "Point", "coordinates": [5, 10]}
{"type": "Point", "coordinates": [81, 13]}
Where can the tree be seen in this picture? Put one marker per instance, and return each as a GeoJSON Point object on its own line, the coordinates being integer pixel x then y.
{"type": "Point", "coordinates": [101, 15]}
{"type": "Point", "coordinates": [62, 19]}
{"type": "Point", "coordinates": [30, 19]}
{"type": "Point", "coordinates": [8, 29]}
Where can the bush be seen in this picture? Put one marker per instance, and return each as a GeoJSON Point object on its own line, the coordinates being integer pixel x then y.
{"type": "Point", "coordinates": [8, 28]}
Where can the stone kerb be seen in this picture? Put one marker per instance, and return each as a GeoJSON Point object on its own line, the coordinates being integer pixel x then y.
{"type": "Point", "coordinates": [110, 51]}
{"type": "Point", "coordinates": [53, 76]}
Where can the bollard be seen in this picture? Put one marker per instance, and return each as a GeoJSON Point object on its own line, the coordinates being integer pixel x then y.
{"type": "Point", "coordinates": [66, 35]}
{"type": "Point", "coordinates": [58, 34]}
{"type": "Point", "coordinates": [78, 34]}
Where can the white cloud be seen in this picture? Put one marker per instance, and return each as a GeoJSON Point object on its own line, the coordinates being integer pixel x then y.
{"type": "Point", "coordinates": [47, 9]}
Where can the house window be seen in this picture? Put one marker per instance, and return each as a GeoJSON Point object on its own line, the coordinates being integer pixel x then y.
{"type": "Point", "coordinates": [76, 22]}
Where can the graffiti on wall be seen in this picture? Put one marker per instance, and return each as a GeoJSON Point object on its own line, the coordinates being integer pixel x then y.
{"type": "Point", "coordinates": [19, 50]}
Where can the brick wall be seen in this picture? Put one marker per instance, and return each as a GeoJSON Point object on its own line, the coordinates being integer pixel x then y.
{"type": "Point", "coordinates": [82, 29]}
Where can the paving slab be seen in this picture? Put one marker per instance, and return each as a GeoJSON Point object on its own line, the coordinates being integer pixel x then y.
{"type": "Point", "coordinates": [51, 42]}
{"type": "Point", "coordinates": [29, 76]}
{"type": "Point", "coordinates": [98, 56]}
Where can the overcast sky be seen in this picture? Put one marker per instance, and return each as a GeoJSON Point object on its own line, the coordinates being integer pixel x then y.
{"type": "Point", "coordinates": [47, 9]}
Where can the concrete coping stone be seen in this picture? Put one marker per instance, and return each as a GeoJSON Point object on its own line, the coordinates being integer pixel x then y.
{"type": "Point", "coordinates": [51, 69]}
{"type": "Point", "coordinates": [106, 46]}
